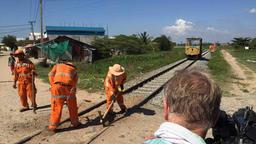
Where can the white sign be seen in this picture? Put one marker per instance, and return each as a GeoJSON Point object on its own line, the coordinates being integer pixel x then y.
{"type": "Point", "coordinates": [246, 47]}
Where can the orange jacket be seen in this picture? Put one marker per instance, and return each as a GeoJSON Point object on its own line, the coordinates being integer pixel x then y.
{"type": "Point", "coordinates": [112, 82]}
{"type": "Point", "coordinates": [63, 73]}
{"type": "Point", "coordinates": [212, 47]}
{"type": "Point", "coordinates": [23, 70]}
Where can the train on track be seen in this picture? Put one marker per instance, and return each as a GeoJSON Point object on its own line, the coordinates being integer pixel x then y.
{"type": "Point", "coordinates": [193, 48]}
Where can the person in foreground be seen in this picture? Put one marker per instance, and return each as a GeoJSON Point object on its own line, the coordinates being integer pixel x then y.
{"type": "Point", "coordinates": [191, 107]}
{"type": "Point", "coordinates": [114, 81]}
{"type": "Point", "coordinates": [63, 80]}
{"type": "Point", "coordinates": [24, 73]}
{"type": "Point", "coordinates": [11, 62]}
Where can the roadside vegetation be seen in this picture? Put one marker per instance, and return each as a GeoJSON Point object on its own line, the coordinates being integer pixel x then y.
{"type": "Point", "coordinates": [138, 54]}
{"type": "Point", "coordinates": [246, 57]}
{"type": "Point", "coordinates": [91, 76]}
{"type": "Point", "coordinates": [134, 44]}
{"type": "Point", "coordinates": [220, 70]}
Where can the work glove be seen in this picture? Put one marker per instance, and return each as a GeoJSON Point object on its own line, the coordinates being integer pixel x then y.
{"type": "Point", "coordinates": [14, 86]}
{"type": "Point", "coordinates": [34, 73]}
{"type": "Point", "coordinates": [113, 97]}
{"type": "Point", "coordinates": [73, 90]}
{"type": "Point", "coordinates": [121, 88]}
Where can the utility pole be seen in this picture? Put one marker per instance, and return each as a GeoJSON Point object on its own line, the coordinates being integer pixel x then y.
{"type": "Point", "coordinates": [32, 31]}
{"type": "Point", "coordinates": [41, 18]}
{"type": "Point", "coordinates": [107, 31]}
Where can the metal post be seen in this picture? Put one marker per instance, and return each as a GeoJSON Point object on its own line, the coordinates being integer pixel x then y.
{"type": "Point", "coordinates": [32, 30]}
{"type": "Point", "coordinates": [41, 18]}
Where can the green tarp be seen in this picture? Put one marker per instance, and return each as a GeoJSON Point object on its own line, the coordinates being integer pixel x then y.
{"type": "Point", "coordinates": [55, 50]}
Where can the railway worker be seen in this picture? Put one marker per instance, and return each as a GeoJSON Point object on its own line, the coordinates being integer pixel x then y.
{"type": "Point", "coordinates": [63, 80]}
{"type": "Point", "coordinates": [11, 62]}
{"type": "Point", "coordinates": [191, 107]}
{"type": "Point", "coordinates": [114, 85]}
{"type": "Point", "coordinates": [213, 47]}
{"type": "Point", "coordinates": [24, 72]}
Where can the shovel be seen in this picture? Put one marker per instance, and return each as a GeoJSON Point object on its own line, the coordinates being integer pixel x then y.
{"type": "Point", "coordinates": [33, 93]}
{"type": "Point", "coordinates": [102, 118]}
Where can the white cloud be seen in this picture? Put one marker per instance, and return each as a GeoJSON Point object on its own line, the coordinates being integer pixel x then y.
{"type": "Point", "coordinates": [212, 29]}
{"type": "Point", "coordinates": [252, 11]}
{"type": "Point", "coordinates": [181, 27]}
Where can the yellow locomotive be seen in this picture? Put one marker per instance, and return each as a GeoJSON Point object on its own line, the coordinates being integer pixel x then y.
{"type": "Point", "coordinates": [193, 48]}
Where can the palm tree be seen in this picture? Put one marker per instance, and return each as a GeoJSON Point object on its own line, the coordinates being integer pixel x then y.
{"type": "Point", "coordinates": [144, 37]}
{"type": "Point", "coordinates": [241, 42]}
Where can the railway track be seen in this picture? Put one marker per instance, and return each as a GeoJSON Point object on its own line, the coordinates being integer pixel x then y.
{"type": "Point", "coordinates": [143, 91]}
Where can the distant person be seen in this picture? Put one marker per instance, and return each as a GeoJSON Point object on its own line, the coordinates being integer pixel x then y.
{"type": "Point", "coordinates": [63, 80]}
{"type": "Point", "coordinates": [191, 107]}
{"type": "Point", "coordinates": [213, 47]}
{"type": "Point", "coordinates": [11, 62]}
{"type": "Point", "coordinates": [24, 73]}
{"type": "Point", "coordinates": [114, 85]}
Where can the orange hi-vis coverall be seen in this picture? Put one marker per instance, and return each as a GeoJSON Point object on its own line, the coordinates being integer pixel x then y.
{"type": "Point", "coordinates": [111, 84]}
{"type": "Point", "coordinates": [212, 47]}
{"type": "Point", "coordinates": [23, 75]}
{"type": "Point", "coordinates": [63, 79]}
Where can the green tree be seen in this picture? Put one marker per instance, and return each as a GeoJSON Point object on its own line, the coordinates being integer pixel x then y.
{"type": "Point", "coordinates": [120, 45]}
{"type": "Point", "coordinates": [103, 47]}
{"type": "Point", "coordinates": [253, 43]}
{"type": "Point", "coordinates": [24, 42]}
{"type": "Point", "coordinates": [10, 41]}
{"type": "Point", "coordinates": [124, 44]}
{"type": "Point", "coordinates": [144, 37]}
{"type": "Point", "coordinates": [241, 42]}
{"type": "Point", "coordinates": [164, 43]}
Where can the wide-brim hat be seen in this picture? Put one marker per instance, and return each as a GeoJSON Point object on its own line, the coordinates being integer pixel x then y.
{"type": "Point", "coordinates": [116, 70]}
{"type": "Point", "coordinates": [18, 52]}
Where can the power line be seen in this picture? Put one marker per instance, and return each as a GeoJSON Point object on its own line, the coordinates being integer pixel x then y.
{"type": "Point", "coordinates": [18, 30]}
{"type": "Point", "coordinates": [7, 26]}
{"type": "Point", "coordinates": [30, 9]}
{"type": "Point", "coordinates": [37, 8]}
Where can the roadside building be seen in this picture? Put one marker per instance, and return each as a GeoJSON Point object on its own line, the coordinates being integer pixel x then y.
{"type": "Point", "coordinates": [79, 51]}
{"type": "Point", "coordinates": [82, 34]}
{"type": "Point", "coordinates": [37, 36]}
{"type": "Point", "coordinates": [3, 47]}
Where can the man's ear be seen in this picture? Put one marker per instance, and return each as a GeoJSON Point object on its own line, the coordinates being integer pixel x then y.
{"type": "Point", "coordinates": [166, 109]}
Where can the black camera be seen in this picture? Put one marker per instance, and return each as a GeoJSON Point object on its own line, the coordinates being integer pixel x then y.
{"type": "Point", "coordinates": [240, 128]}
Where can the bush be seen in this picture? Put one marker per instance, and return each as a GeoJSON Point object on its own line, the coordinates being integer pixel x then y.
{"type": "Point", "coordinates": [253, 43]}
{"type": "Point", "coordinates": [241, 42]}
{"type": "Point", "coordinates": [120, 45]}
{"type": "Point", "coordinates": [164, 44]}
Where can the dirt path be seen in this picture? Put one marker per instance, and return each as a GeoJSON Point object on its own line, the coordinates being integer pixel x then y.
{"type": "Point", "coordinates": [243, 86]}
{"type": "Point", "coordinates": [15, 125]}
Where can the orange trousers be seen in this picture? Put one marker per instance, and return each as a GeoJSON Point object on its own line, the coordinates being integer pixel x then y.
{"type": "Point", "coordinates": [60, 95]}
{"type": "Point", "coordinates": [24, 91]}
{"type": "Point", "coordinates": [119, 99]}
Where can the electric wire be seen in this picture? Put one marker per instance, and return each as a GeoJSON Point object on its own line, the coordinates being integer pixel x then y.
{"type": "Point", "coordinates": [14, 31]}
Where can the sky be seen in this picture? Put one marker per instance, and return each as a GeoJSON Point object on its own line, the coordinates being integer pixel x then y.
{"type": "Point", "coordinates": [213, 20]}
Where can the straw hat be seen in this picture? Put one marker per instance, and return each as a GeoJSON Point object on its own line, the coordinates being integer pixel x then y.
{"type": "Point", "coordinates": [116, 70]}
{"type": "Point", "coordinates": [18, 52]}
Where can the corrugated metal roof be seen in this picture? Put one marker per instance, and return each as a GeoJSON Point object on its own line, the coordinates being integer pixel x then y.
{"type": "Point", "coordinates": [67, 28]}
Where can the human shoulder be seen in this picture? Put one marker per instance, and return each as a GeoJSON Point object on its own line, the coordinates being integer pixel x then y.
{"type": "Point", "coordinates": [69, 64]}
